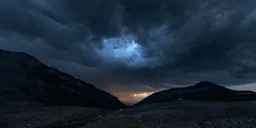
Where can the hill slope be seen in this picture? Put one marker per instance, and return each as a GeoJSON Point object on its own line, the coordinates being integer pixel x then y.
{"type": "Point", "coordinates": [25, 79]}
{"type": "Point", "coordinates": [200, 91]}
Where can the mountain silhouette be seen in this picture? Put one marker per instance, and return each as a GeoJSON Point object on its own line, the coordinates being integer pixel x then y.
{"type": "Point", "coordinates": [25, 80]}
{"type": "Point", "coordinates": [201, 91]}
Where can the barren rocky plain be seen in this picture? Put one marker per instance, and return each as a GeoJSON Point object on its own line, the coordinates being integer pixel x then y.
{"type": "Point", "coordinates": [177, 114]}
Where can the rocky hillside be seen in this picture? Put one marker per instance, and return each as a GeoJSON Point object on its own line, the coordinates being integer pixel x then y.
{"type": "Point", "coordinates": [200, 91]}
{"type": "Point", "coordinates": [25, 80]}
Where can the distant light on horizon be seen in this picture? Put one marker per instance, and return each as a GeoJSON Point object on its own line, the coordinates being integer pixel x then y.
{"type": "Point", "coordinates": [142, 94]}
{"type": "Point", "coordinates": [130, 96]}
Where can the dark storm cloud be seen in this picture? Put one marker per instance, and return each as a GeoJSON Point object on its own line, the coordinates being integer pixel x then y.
{"type": "Point", "coordinates": [177, 42]}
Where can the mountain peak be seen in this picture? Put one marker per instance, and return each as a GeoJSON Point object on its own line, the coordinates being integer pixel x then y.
{"type": "Point", "coordinates": [206, 84]}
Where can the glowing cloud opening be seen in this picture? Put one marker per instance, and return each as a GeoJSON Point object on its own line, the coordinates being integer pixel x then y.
{"type": "Point", "coordinates": [125, 50]}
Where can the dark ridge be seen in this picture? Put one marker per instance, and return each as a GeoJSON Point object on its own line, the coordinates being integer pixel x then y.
{"type": "Point", "coordinates": [26, 76]}
{"type": "Point", "coordinates": [206, 83]}
{"type": "Point", "coordinates": [201, 91]}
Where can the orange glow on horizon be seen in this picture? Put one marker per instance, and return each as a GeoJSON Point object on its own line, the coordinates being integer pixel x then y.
{"type": "Point", "coordinates": [142, 94]}
{"type": "Point", "coordinates": [130, 97]}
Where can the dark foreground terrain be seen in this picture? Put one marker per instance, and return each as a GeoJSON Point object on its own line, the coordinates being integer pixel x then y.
{"type": "Point", "coordinates": [183, 114]}
{"type": "Point", "coordinates": [48, 117]}
{"type": "Point", "coordinates": [178, 114]}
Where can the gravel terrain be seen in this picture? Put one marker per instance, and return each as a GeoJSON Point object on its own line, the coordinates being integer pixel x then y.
{"type": "Point", "coordinates": [47, 117]}
{"type": "Point", "coordinates": [182, 114]}
{"type": "Point", "coordinates": [178, 114]}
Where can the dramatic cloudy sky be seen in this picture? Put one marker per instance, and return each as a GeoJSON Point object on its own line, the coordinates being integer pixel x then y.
{"type": "Point", "coordinates": [133, 46]}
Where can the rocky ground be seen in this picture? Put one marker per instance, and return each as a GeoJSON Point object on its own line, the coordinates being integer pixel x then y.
{"type": "Point", "coordinates": [48, 117]}
{"type": "Point", "coordinates": [183, 114]}
{"type": "Point", "coordinates": [179, 114]}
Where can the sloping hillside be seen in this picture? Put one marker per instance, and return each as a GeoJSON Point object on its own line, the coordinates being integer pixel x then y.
{"type": "Point", "coordinates": [24, 79]}
{"type": "Point", "coordinates": [200, 91]}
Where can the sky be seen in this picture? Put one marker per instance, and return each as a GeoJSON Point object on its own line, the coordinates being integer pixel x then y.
{"type": "Point", "coordinates": [132, 48]}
